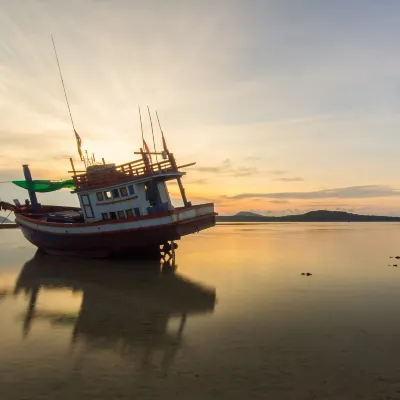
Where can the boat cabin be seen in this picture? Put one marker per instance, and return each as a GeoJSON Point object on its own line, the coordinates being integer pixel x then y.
{"type": "Point", "coordinates": [135, 189]}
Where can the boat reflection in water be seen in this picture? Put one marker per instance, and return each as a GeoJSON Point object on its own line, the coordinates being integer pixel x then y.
{"type": "Point", "coordinates": [126, 306]}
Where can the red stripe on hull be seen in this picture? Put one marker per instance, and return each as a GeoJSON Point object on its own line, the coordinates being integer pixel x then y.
{"type": "Point", "coordinates": [37, 217]}
{"type": "Point", "coordinates": [114, 243]}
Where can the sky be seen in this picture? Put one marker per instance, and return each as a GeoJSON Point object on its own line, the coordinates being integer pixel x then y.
{"type": "Point", "coordinates": [286, 106]}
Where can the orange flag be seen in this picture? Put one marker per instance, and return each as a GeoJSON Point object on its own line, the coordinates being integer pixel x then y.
{"type": "Point", "coordinates": [147, 150]}
{"type": "Point", "coordinates": [78, 143]}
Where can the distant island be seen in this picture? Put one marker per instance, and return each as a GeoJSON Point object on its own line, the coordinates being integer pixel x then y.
{"type": "Point", "coordinates": [312, 216]}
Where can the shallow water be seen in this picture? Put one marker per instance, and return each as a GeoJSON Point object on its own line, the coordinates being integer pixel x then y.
{"type": "Point", "coordinates": [235, 320]}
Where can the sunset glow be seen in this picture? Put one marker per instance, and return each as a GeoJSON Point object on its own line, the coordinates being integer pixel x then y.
{"type": "Point", "coordinates": [283, 109]}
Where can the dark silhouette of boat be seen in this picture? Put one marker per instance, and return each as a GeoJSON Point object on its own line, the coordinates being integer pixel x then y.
{"type": "Point", "coordinates": [125, 306]}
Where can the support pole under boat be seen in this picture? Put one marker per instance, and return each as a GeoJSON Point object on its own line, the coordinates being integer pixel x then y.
{"type": "Point", "coordinates": [32, 194]}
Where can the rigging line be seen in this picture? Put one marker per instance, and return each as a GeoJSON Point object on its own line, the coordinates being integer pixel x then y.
{"type": "Point", "coordinates": [6, 182]}
{"type": "Point", "coordinates": [62, 81]}
{"type": "Point", "coordinates": [6, 218]}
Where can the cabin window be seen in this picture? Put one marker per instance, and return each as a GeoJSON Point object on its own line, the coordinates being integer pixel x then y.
{"type": "Point", "coordinates": [107, 195]}
{"type": "Point", "coordinates": [100, 196]}
{"type": "Point", "coordinates": [137, 211]}
{"type": "Point", "coordinates": [105, 216]}
{"type": "Point", "coordinates": [123, 191]}
{"type": "Point", "coordinates": [113, 215]}
{"type": "Point", "coordinates": [115, 193]}
{"type": "Point", "coordinates": [121, 214]}
{"type": "Point", "coordinates": [129, 213]}
{"type": "Point", "coordinates": [131, 189]}
{"type": "Point", "coordinates": [87, 207]}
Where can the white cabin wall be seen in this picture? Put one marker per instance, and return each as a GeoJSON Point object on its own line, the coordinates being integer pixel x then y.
{"type": "Point", "coordinates": [124, 203]}
{"type": "Point", "coordinates": [92, 199]}
{"type": "Point", "coordinates": [138, 200]}
{"type": "Point", "coordinates": [117, 206]}
{"type": "Point", "coordinates": [143, 204]}
{"type": "Point", "coordinates": [164, 194]}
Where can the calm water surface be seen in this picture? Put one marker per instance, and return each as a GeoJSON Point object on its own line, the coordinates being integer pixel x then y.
{"type": "Point", "coordinates": [235, 320]}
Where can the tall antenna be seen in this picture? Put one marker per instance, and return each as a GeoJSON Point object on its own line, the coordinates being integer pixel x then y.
{"type": "Point", "coordinates": [77, 137]}
{"type": "Point", "coordinates": [87, 158]}
{"type": "Point", "coordinates": [152, 132]}
{"type": "Point", "coordinates": [141, 125]}
{"type": "Point", "coordinates": [158, 119]}
{"type": "Point", "coordinates": [165, 147]}
{"type": "Point", "coordinates": [62, 81]}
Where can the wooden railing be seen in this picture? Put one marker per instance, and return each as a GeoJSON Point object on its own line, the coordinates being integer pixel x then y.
{"type": "Point", "coordinates": [122, 173]}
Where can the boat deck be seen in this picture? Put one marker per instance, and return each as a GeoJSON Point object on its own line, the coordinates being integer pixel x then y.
{"type": "Point", "coordinates": [72, 216]}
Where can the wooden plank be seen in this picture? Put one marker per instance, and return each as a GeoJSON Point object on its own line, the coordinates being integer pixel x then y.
{"type": "Point", "coordinates": [186, 165]}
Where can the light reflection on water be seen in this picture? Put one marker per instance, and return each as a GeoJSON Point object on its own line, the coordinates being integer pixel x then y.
{"type": "Point", "coordinates": [235, 320]}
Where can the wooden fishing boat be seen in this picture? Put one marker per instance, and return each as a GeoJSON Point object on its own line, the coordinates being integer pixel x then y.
{"type": "Point", "coordinates": [125, 209]}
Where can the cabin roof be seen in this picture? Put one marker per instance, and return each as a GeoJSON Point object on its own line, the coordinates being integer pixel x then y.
{"type": "Point", "coordinates": [107, 175]}
{"type": "Point", "coordinates": [111, 184]}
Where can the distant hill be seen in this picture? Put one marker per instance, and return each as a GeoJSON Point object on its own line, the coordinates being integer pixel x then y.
{"type": "Point", "coordinates": [312, 216]}
{"type": "Point", "coordinates": [247, 214]}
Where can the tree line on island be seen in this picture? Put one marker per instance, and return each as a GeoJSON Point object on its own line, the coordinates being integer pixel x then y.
{"type": "Point", "coordinates": [311, 216]}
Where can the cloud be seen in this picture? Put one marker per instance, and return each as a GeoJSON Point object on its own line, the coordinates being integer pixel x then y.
{"type": "Point", "coordinates": [351, 192]}
{"type": "Point", "coordinates": [214, 170]}
{"type": "Point", "coordinates": [276, 172]}
{"type": "Point", "coordinates": [279, 201]}
{"type": "Point", "coordinates": [247, 159]}
{"type": "Point", "coordinates": [62, 157]}
{"type": "Point", "coordinates": [199, 182]}
{"type": "Point", "coordinates": [288, 179]}
{"type": "Point", "coordinates": [18, 139]}
{"type": "Point", "coordinates": [227, 168]}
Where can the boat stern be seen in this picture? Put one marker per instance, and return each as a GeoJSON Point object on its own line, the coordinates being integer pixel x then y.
{"type": "Point", "coordinates": [192, 219]}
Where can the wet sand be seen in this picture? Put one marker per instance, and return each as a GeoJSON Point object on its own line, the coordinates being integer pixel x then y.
{"type": "Point", "coordinates": [234, 320]}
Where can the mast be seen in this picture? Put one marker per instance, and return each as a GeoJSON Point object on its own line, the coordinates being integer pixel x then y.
{"type": "Point", "coordinates": [152, 132]}
{"type": "Point", "coordinates": [144, 144]}
{"type": "Point", "coordinates": [31, 191]}
{"type": "Point", "coordinates": [165, 152]}
{"type": "Point", "coordinates": [141, 125]}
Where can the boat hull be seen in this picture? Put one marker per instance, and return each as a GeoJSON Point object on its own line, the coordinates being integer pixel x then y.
{"type": "Point", "coordinates": [141, 241]}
